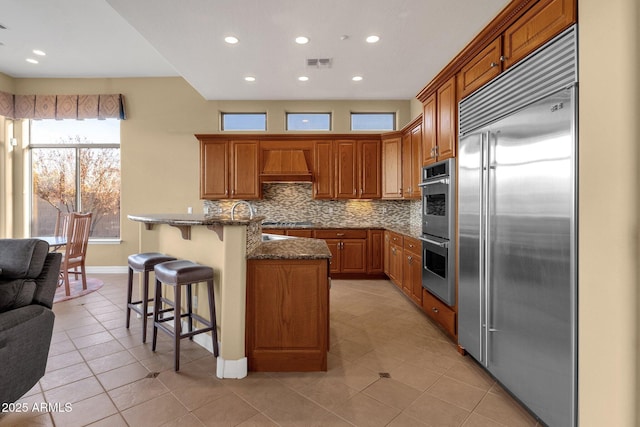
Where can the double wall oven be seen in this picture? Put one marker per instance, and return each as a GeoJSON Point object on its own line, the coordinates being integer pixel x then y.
{"type": "Point", "coordinates": [438, 225]}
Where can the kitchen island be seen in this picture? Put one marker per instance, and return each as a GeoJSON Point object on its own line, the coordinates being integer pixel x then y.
{"type": "Point", "coordinates": [227, 245]}
{"type": "Point", "coordinates": [288, 305]}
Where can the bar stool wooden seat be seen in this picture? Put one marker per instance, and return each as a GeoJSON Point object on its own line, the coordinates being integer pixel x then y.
{"type": "Point", "coordinates": [142, 263]}
{"type": "Point", "coordinates": [177, 274]}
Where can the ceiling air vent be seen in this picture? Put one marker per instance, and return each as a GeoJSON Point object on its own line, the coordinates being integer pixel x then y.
{"type": "Point", "coordinates": [319, 62]}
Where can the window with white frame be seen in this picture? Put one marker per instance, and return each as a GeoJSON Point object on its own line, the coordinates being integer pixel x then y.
{"type": "Point", "coordinates": [309, 121]}
{"type": "Point", "coordinates": [244, 121]}
{"type": "Point", "coordinates": [75, 167]}
{"type": "Point", "coordinates": [373, 121]}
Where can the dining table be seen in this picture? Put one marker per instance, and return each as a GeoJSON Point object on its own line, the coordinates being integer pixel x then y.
{"type": "Point", "coordinates": [55, 242]}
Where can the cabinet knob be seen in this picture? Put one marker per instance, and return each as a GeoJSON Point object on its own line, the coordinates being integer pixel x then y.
{"type": "Point", "coordinates": [410, 259]}
{"type": "Point", "coordinates": [435, 310]}
{"type": "Point", "coordinates": [339, 234]}
{"type": "Point", "coordinates": [503, 58]}
{"type": "Point", "coordinates": [494, 64]}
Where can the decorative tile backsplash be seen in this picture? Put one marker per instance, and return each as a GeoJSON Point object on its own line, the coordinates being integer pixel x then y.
{"type": "Point", "coordinates": [294, 202]}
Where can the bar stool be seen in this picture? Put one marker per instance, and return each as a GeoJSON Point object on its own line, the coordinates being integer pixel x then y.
{"type": "Point", "coordinates": [176, 274]}
{"type": "Point", "coordinates": [142, 263]}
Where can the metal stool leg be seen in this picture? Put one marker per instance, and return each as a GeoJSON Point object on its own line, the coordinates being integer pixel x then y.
{"type": "Point", "coordinates": [177, 327]}
{"type": "Point", "coordinates": [156, 313]}
{"type": "Point", "coordinates": [212, 316]}
{"type": "Point", "coordinates": [145, 305]}
{"type": "Point", "coordinates": [190, 309]}
{"type": "Point", "coordinates": [129, 292]}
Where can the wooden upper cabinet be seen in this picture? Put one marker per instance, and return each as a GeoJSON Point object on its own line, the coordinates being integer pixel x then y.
{"type": "Point", "coordinates": [416, 162]}
{"type": "Point", "coordinates": [429, 130]}
{"type": "Point", "coordinates": [229, 169]}
{"type": "Point", "coordinates": [358, 167]}
{"type": "Point", "coordinates": [369, 166]}
{"type": "Point", "coordinates": [392, 167]}
{"type": "Point", "coordinates": [446, 121]}
{"type": "Point", "coordinates": [480, 69]}
{"type": "Point", "coordinates": [538, 25]}
{"type": "Point", "coordinates": [214, 169]}
{"type": "Point", "coordinates": [346, 173]}
{"type": "Point", "coordinates": [244, 170]}
{"type": "Point", "coordinates": [323, 182]}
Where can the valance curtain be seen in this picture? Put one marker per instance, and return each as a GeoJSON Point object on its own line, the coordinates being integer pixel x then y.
{"type": "Point", "coordinates": [108, 106]}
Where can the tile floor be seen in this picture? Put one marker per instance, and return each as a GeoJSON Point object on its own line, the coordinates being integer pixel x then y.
{"type": "Point", "coordinates": [107, 377]}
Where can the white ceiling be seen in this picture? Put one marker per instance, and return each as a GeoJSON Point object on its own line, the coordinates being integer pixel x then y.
{"type": "Point", "coordinates": [151, 38]}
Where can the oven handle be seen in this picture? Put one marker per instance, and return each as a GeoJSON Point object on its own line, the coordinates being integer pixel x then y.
{"type": "Point", "coordinates": [437, 181]}
{"type": "Point", "coordinates": [433, 242]}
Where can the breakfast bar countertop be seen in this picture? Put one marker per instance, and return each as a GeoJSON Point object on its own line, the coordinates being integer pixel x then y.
{"type": "Point", "coordinates": [193, 219]}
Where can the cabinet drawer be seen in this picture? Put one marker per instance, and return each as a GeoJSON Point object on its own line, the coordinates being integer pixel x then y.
{"type": "Point", "coordinates": [299, 233]}
{"type": "Point", "coordinates": [395, 238]}
{"type": "Point", "coordinates": [341, 234]}
{"type": "Point", "coordinates": [412, 245]}
{"type": "Point", "coordinates": [439, 312]}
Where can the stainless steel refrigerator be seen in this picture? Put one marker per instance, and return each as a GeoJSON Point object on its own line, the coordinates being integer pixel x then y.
{"type": "Point", "coordinates": [517, 207]}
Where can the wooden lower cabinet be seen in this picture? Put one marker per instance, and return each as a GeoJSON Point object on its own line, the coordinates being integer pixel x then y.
{"type": "Point", "coordinates": [412, 269]}
{"type": "Point", "coordinates": [287, 315]}
{"type": "Point", "coordinates": [396, 263]}
{"type": "Point", "coordinates": [375, 248]}
{"type": "Point", "coordinates": [348, 249]}
{"type": "Point", "coordinates": [439, 312]}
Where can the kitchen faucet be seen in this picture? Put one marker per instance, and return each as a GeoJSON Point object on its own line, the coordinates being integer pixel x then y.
{"type": "Point", "coordinates": [242, 202]}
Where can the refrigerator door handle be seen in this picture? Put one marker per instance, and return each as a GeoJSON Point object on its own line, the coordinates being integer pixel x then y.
{"type": "Point", "coordinates": [485, 264]}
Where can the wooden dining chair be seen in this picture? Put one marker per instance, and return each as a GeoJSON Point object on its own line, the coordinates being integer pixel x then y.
{"type": "Point", "coordinates": [62, 223]}
{"type": "Point", "coordinates": [75, 252]}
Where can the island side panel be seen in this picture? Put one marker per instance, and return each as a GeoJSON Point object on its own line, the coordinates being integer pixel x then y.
{"type": "Point", "coordinates": [287, 315]}
{"type": "Point", "coordinates": [228, 259]}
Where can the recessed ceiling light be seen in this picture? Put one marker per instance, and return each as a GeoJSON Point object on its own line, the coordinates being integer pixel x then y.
{"type": "Point", "coordinates": [356, 78]}
{"type": "Point", "coordinates": [373, 39]}
{"type": "Point", "coordinates": [302, 40]}
{"type": "Point", "coordinates": [303, 78]}
{"type": "Point", "coordinates": [32, 61]}
{"type": "Point", "coordinates": [250, 79]}
{"type": "Point", "coordinates": [231, 39]}
{"type": "Point", "coordinates": [38, 52]}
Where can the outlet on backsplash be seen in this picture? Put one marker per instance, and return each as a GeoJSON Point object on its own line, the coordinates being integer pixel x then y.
{"type": "Point", "coordinates": [294, 202]}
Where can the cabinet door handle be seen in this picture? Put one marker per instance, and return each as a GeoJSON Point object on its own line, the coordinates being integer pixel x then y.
{"type": "Point", "coordinates": [503, 58]}
{"type": "Point", "coordinates": [339, 234]}
{"type": "Point", "coordinates": [410, 259]}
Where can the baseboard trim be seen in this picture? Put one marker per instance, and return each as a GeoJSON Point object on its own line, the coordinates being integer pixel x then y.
{"type": "Point", "coordinates": [113, 269]}
{"type": "Point", "coordinates": [235, 369]}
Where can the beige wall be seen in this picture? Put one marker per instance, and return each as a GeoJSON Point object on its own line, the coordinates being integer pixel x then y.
{"type": "Point", "coordinates": [608, 213]}
{"type": "Point", "coordinates": [159, 152]}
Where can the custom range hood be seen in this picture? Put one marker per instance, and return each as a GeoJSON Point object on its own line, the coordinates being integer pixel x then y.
{"type": "Point", "coordinates": [284, 164]}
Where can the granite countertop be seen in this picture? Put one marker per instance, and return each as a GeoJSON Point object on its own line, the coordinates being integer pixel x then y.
{"type": "Point", "coordinates": [414, 231]}
{"type": "Point", "coordinates": [291, 248]}
{"type": "Point", "coordinates": [193, 219]}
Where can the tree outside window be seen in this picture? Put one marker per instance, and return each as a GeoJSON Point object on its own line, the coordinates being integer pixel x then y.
{"type": "Point", "coordinates": [76, 168]}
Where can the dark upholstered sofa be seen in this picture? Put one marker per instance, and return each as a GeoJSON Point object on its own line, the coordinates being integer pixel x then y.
{"type": "Point", "coordinates": [28, 278]}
